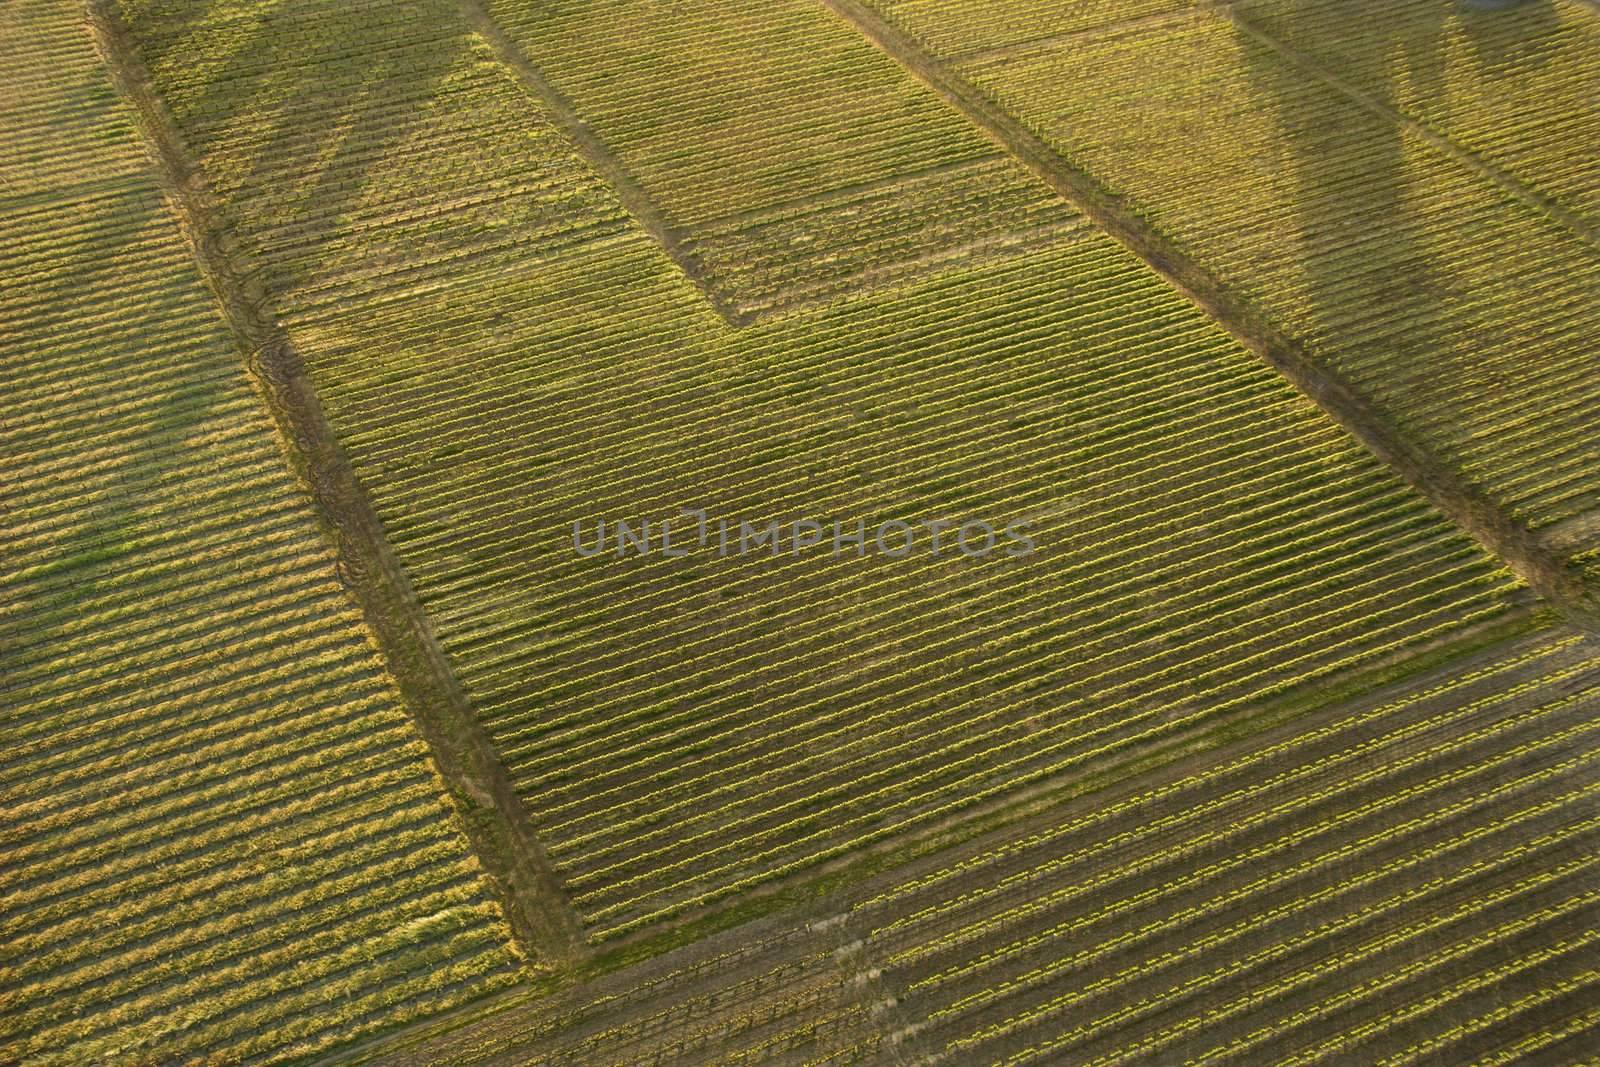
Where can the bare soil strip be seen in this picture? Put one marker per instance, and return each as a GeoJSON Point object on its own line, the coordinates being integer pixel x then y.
{"type": "Point", "coordinates": [1525, 552]}
{"type": "Point", "coordinates": [600, 157]}
{"type": "Point", "coordinates": [543, 922]}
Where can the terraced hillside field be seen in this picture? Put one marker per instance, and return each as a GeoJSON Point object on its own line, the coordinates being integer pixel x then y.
{"type": "Point", "coordinates": [224, 839]}
{"type": "Point", "coordinates": [347, 342]}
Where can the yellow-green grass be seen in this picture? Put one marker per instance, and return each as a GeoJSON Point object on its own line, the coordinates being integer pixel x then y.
{"type": "Point", "coordinates": [1458, 310]}
{"type": "Point", "coordinates": [224, 839]}
{"type": "Point", "coordinates": [1214, 554]}
{"type": "Point", "coordinates": [1405, 875]}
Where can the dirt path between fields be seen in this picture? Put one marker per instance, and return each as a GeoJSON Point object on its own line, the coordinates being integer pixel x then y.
{"type": "Point", "coordinates": [599, 156]}
{"type": "Point", "coordinates": [1532, 558]}
{"type": "Point", "coordinates": [542, 920]}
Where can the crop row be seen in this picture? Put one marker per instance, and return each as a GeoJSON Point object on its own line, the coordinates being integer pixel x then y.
{"type": "Point", "coordinates": [1213, 550]}
{"type": "Point", "coordinates": [1203, 878]}
{"type": "Point", "coordinates": [1458, 311]}
{"type": "Point", "coordinates": [1090, 881]}
{"type": "Point", "coordinates": [225, 840]}
{"type": "Point", "coordinates": [951, 29]}
{"type": "Point", "coordinates": [779, 110]}
{"type": "Point", "coordinates": [1347, 737]}
{"type": "Point", "coordinates": [830, 246]}
{"type": "Point", "coordinates": [1407, 873]}
{"type": "Point", "coordinates": [633, 770]}
{"type": "Point", "coordinates": [1517, 91]}
{"type": "Point", "coordinates": [752, 105]}
{"type": "Point", "coordinates": [49, 146]}
{"type": "Point", "coordinates": [367, 147]}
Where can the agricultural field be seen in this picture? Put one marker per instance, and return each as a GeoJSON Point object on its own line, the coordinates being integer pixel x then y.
{"type": "Point", "coordinates": [792, 162]}
{"type": "Point", "coordinates": [1510, 91]}
{"type": "Point", "coordinates": [1405, 191]}
{"type": "Point", "coordinates": [1271, 901]}
{"type": "Point", "coordinates": [685, 730]}
{"type": "Point", "coordinates": [489, 492]}
{"type": "Point", "coordinates": [315, 159]}
{"type": "Point", "coordinates": [958, 29]}
{"type": "Point", "coordinates": [224, 839]}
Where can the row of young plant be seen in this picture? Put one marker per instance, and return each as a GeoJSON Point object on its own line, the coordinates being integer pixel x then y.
{"type": "Point", "coordinates": [1515, 92]}
{"type": "Point", "coordinates": [1124, 380]}
{"type": "Point", "coordinates": [1308, 205]}
{"type": "Point", "coordinates": [830, 248]}
{"type": "Point", "coordinates": [756, 106]}
{"type": "Point", "coordinates": [952, 30]}
{"type": "Point", "coordinates": [226, 836]}
{"type": "Point", "coordinates": [342, 193]}
{"type": "Point", "coordinates": [1529, 716]}
{"type": "Point", "coordinates": [1310, 849]}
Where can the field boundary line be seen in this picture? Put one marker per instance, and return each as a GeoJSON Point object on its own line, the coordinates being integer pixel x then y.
{"type": "Point", "coordinates": [598, 155]}
{"type": "Point", "coordinates": [1469, 507]}
{"type": "Point", "coordinates": [1051, 42]}
{"type": "Point", "coordinates": [799, 205]}
{"type": "Point", "coordinates": [900, 273]}
{"type": "Point", "coordinates": [1239, 15]}
{"type": "Point", "coordinates": [544, 925]}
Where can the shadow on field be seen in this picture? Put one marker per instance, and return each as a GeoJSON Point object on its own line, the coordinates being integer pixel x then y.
{"type": "Point", "coordinates": [139, 437]}
{"type": "Point", "coordinates": [293, 134]}
{"type": "Point", "coordinates": [1369, 255]}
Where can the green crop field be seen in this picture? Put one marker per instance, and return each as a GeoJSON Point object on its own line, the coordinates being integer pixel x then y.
{"type": "Point", "coordinates": [223, 837]}
{"type": "Point", "coordinates": [813, 531]}
{"type": "Point", "coordinates": [1404, 191]}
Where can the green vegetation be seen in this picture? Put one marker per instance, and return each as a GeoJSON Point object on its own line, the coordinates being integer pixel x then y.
{"type": "Point", "coordinates": [1515, 89]}
{"type": "Point", "coordinates": [223, 839]}
{"type": "Point", "coordinates": [683, 732]}
{"type": "Point", "coordinates": [959, 27]}
{"type": "Point", "coordinates": [312, 371]}
{"type": "Point", "coordinates": [795, 162]}
{"type": "Point", "coordinates": [1391, 876]}
{"type": "Point", "coordinates": [1446, 296]}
